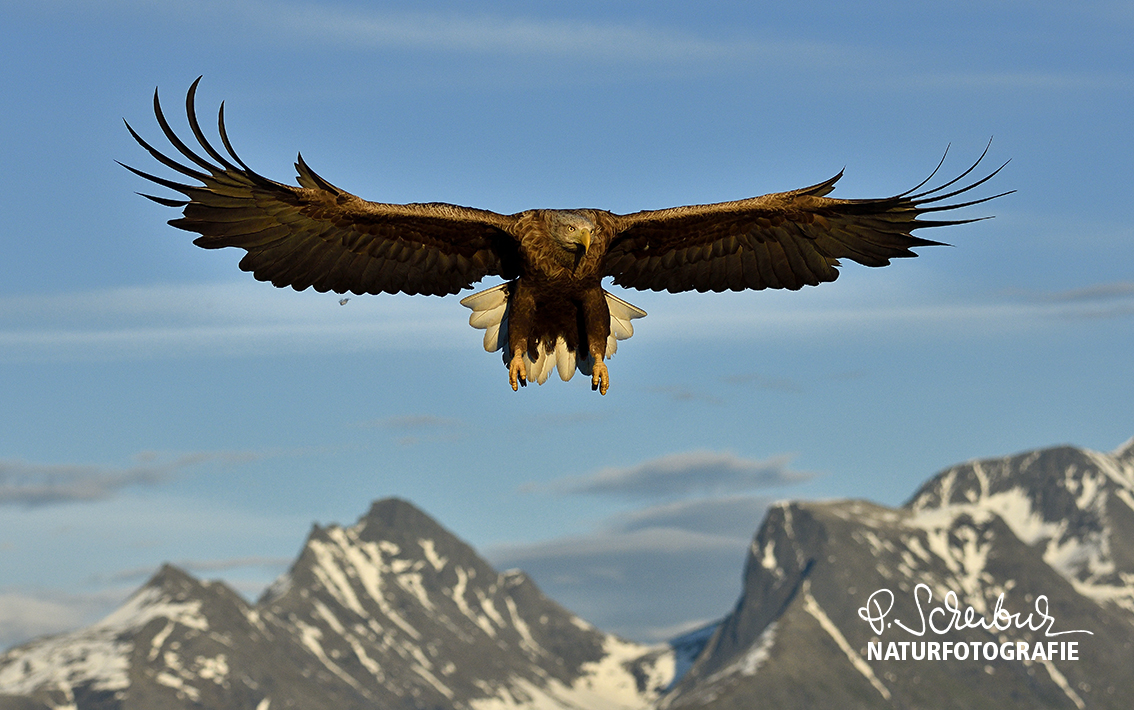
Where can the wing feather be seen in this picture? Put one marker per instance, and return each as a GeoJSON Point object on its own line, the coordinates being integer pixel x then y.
{"type": "Point", "coordinates": [317, 235]}
{"type": "Point", "coordinates": [782, 240]}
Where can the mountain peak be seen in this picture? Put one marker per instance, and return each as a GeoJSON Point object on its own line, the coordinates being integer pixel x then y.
{"type": "Point", "coordinates": [397, 523]}
{"type": "Point", "coordinates": [173, 579]}
{"type": "Point", "coordinates": [1126, 451]}
{"type": "Point", "coordinates": [1057, 522]}
{"type": "Point", "coordinates": [397, 612]}
{"type": "Point", "coordinates": [396, 514]}
{"type": "Point", "coordinates": [392, 612]}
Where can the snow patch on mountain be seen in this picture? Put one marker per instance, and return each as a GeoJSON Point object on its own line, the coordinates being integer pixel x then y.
{"type": "Point", "coordinates": [1068, 511]}
{"type": "Point", "coordinates": [811, 606]}
{"type": "Point", "coordinates": [98, 656]}
{"type": "Point", "coordinates": [603, 685]}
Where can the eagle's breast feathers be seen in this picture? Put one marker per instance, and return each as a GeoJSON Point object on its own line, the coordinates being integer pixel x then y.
{"type": "Point", "coordinates": [551, 313]}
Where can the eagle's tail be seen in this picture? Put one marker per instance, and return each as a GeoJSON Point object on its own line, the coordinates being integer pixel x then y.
{"type": "Point", "coordinates": [490, 313]}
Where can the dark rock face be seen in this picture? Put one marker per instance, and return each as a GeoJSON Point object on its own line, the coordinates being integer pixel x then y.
{"type": "Point", "coordinates": [1054, 524]}
{"type": "Point", "coordinates": [393, 612]}
{"type": "Point", "coordinates": [846, 604]}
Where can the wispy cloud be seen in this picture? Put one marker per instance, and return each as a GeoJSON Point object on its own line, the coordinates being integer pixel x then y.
{"type": "Point", "coordinates": [421, 428]}
{"type": "Point", "coordinates": [624, 582]}
{"type": "Point", "coordinates": [26, 614]}
{"type": "Point", "coordinates": [1038, 81]}
{"type": "Point", "coordinates": [488, 34]}
{"type": "Point", "coordinates": [730, 516]}
{"type": "Point", "coordinates": [243, 318]}
{"type": "Point", "coordinates": [250, 319]}
{"type": "Point", "coordinates": [679, 562]}
{"type": "Point", "coordinates": [196, 567]}
{"type": "Point", "coordinates": [772, 384]}
{"type": "Point", "coordinates": [681, 474]}
{"type": "Point", "coordinates": [419, 422]}
{"type": "Point", "coordinates": [1104, 300]}
{"type": "Point", "coordinates": [665, 541]}
{"type": "Point", "coordinates": [684, 394]}
{"type": "Point", "coordinates": [859, 307]}
{"type": "Point", "coordinates": [586, 41]}
{"type": "Point", "coordinates": [1096, 292]}
{"type": "Point", "coordinates": [676, 559]}
{"type": "Point", "coordinates": [537, 35]}
{"type": "Point", "coordinates": [32, 484]}
{"type": "Point", "coordinates": [559, 38]}
{"type": "Point", "coordinates": [569, 419]}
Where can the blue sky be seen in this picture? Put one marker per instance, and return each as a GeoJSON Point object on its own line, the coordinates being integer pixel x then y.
{"type": "Point", "coordinates": [160, 405]}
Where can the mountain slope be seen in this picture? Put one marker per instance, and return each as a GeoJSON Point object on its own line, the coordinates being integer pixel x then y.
{"type": "Point", "coordinates": [1054, 523]}
{"type": "Point", "coordinates": [1033, 551]}
{"type": "Point", "coordinates": [393, 612]}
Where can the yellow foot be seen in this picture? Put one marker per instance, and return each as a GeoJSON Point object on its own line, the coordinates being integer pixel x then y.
{"type": "Point", "coordinates": [517, 374]}
{"type": "Point", "coordinates": [600, 378]}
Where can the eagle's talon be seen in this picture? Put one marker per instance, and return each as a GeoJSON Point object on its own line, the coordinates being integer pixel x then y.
{"type": "Point", "coordinates": [600, 378]}
{"type": "Point", "coordinates": [517, 373]}
{"type": "Point", "coordinates": [554, 259]}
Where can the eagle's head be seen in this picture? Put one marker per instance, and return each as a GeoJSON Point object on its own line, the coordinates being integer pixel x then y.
{"type": "Point", "coordinates": [572, 232]}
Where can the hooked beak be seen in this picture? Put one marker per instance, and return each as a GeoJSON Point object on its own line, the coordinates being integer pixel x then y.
{"type": "Point", "coordinates": [585, 239]}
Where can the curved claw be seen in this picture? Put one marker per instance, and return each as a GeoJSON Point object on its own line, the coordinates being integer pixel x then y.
{"type": "Point", "coordinates": [600, 378]}
{"type": "Point", "coordinates": [517, 373]}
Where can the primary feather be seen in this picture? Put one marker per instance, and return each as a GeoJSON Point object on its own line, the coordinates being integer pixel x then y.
{"type": "Point", "coordinates": [551, 313]}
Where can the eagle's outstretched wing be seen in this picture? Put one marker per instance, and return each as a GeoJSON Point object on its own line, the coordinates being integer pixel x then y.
{"type": "Point", "coordinates": [318, 235]}
{"type": "Point", "coordinates": [783, 240]}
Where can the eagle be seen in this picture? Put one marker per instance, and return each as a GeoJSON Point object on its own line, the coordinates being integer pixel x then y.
{"type": "Point", "coordinates": [551, 312]}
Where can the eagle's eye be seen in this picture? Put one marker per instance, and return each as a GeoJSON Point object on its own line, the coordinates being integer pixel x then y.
{"type": "Point", "coordinates": [570, 228]}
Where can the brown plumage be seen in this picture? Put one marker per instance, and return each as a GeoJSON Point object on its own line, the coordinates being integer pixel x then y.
{"type": "Point", "coordinates": [552, 310]}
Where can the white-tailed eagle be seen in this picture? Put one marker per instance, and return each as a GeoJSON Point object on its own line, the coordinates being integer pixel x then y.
{"type": "Point", "coordinates": [551, 312]}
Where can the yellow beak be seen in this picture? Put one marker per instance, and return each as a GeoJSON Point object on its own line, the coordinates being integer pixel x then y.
{"type": "Point", "coordinates": [585, 239]}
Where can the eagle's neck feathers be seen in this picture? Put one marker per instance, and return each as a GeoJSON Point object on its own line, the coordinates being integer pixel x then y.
{"type": "Point", "coordinates": [552, 248]}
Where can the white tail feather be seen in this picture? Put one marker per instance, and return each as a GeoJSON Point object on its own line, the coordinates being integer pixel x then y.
{"type": "Point", "coordinates": [490, 313]}
{"type": "Point", "coordinates": [564, 360]}
{"type": "Point", "coordinates": [542, 367]}
{"type": "Point", "coordinates": [487, 299]}
{"type": "Point", "coordinates": [621, 313]}
{"type": "Point", "coordinates": [492, 337]}
{"type": "Point", "coordinates": [480, 319]}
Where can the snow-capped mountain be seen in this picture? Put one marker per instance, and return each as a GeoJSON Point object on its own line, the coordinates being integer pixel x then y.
{"type": "Point", "coordinates": [1003, 583]}
{"type": "Point", "coordinates": [392, 612]}
{"type": "Point", "coordinates": [832, 614]}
